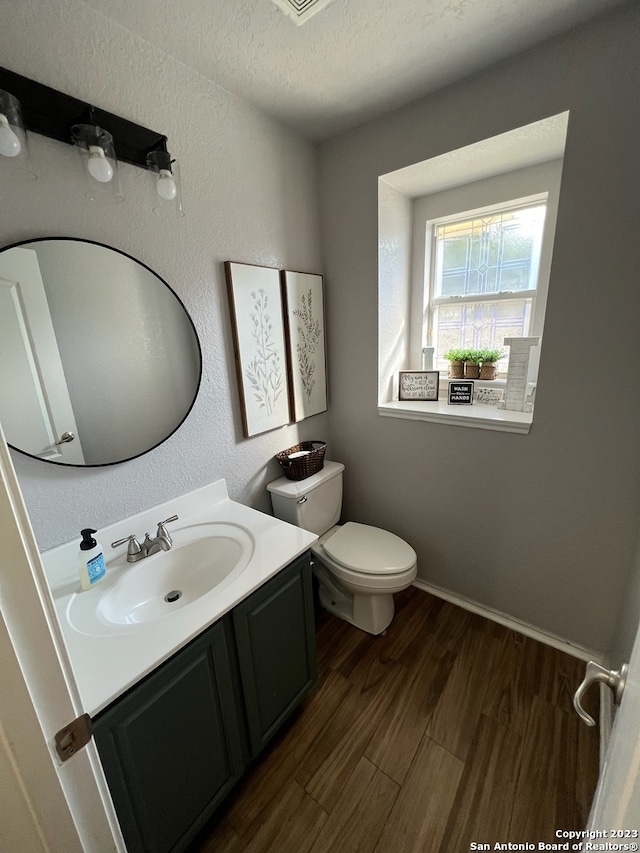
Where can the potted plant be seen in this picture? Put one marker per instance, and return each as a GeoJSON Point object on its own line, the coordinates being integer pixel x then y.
{"type": "Point", "coordinates": [456, 358]}
{"type": "Point", "coordinates": [472, 364]}
{"type": "Point", "coordinates": [488, 358]}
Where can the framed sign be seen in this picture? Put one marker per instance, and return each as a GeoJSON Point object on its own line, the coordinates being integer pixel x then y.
{"type": "Point", "coordinates": [489, 396]}
{"type": "Point", "coordinates": [304, 328]}
{"type": "Point", "coordinates": [460, 393]}
{"type": "Point", "coordinates": [259, 343]}
{"type": "Point", "coordinates": [418, 384]}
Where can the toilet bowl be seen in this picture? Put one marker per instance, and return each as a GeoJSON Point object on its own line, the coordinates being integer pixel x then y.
{"type": "Point", "coordinates": [359, 567]}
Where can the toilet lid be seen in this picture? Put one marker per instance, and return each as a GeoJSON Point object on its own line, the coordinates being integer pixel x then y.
{"type": "Point", "coordinates": [363, 548]}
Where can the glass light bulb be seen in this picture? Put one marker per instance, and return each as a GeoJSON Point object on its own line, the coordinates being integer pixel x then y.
{"type": "Point", "coordinates": [165, 185]}
{"type": "Point", "coordinates": [99, 167]}
{"type": "Point", "coordinates": [10, 145]}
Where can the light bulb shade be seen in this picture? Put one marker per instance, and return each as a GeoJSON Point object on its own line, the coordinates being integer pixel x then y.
{"type": "Point", "coordinates": [14, 147]}
{"type": "Point", "coordinates": [165, 186]}
{"type": "Point", "coordinates": [99, 162]}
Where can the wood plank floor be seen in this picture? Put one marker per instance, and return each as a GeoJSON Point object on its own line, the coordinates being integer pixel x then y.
{"type": "Point", "coordinates": [449, 729]}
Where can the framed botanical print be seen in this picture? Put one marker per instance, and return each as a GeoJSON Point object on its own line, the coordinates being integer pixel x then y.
{"type": "Point", "coordinates": [305, 336]}
{"type": "Point", "coordinates": [255, 301]}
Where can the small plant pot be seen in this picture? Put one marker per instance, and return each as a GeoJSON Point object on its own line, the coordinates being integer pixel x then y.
{"type": "Point", "coordinates": [456, 369]}
{"type": "Point", "coordinates": [488, 371]}
{"type": "Point", "coordinates": [471, 371]}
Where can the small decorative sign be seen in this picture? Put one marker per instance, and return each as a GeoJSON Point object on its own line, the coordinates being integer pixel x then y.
{"type": "Point", "coordinates": [460, 393]}
{"type": "Point", "coordinates": [418, 384]}
{"type": "Point", "coordinates": [489, 396]}
{"type": "Point", "coordinates": [517, 374]}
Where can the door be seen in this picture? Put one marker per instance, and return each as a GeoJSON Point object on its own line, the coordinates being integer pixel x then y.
{"type": "Point", "coordinates": [45, 805]}
{"type": "Point", "coordinates": [32, 368]}
{"type": "Point", "coordinates": [616, 805]}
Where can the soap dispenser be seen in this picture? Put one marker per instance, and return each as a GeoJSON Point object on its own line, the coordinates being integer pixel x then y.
{"type": "Point", "coordinates": [91, 557]}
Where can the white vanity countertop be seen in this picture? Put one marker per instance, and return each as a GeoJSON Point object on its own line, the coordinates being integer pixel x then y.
{"type": "Point", "coordinates": [107, 665]}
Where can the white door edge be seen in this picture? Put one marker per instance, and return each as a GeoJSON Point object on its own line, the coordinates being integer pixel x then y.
{"type": "Point", "coordinates": [69, 803]}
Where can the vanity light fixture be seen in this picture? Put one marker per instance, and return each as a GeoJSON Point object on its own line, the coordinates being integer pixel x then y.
{"type": "Point", "coordinates": [103, 140]}
{"type": "Point", "coordinates": [10, 144]}
{"type": "Point", "coordinates": [166, 192]}
{"type": "Point", "coordinates": [14, 149]}
{"type": "Point", "coordinates": [95, 146]}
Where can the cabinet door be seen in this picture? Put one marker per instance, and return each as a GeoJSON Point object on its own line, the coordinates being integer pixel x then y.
{"type": "Point", "coordinates": [275, 636]}
{"type": "Point", "coordinates": [170, 748]}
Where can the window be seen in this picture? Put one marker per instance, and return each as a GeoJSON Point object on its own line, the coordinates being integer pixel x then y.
{"type": "Point", "coordinates": [482, 277]}
{"type": "Point", "coordinates": [465, 242]}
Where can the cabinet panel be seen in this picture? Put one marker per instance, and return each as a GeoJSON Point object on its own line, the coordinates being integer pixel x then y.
{"type": "Point", "coordinates": [173, 747]}
{"type": "Point", "coordinates": [275, 637]}
{"type": "Point", "coordinates": [170, 748]}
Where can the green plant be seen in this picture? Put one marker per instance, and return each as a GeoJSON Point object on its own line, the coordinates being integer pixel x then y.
{"type": "Point", "coordinates": [473, 356]}
{"type": "Point", "coordinates": [490, 356]}
{"type": "Point", "coordinates": [455, 354]}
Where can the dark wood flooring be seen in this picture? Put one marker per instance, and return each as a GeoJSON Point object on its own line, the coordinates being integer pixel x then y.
{"type": "Point", "coordinates": [449, 729]}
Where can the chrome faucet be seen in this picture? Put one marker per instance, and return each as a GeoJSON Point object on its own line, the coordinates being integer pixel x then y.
{"type": "Point", "coordinates": [161, 542]}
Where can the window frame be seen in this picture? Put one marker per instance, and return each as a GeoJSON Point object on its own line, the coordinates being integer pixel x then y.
{"type": "Point", "coordinates": [430, 301]}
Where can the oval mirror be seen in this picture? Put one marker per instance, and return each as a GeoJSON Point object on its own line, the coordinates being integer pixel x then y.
{"type": "Point", "coordinates": [100, 360]}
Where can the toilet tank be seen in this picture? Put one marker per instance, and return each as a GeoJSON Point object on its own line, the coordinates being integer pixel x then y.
{"type": "Point", "coordinates": [314, 503]}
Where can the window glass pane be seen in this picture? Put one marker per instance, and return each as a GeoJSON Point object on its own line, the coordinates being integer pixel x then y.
{"type": "Point", "coordinates": [497, 253]}
{"type": "Point", "coordinates": [454, 253]}
{"type": "Point", "coordinates": [478, 325]}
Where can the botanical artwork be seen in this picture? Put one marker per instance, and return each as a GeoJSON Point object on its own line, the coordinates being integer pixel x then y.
{"type": "Point", "coordinates": [265, 370]}
{"type": "Point", "coordinates": [259, 338]}
{"type": "Point", "coordinates": [309, 333]}
{"type": "Point", "coordinates": [304, 309]}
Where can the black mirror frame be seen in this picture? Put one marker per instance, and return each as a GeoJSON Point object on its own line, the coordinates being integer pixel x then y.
{"type": "Point", "coordinates": [195, 333]}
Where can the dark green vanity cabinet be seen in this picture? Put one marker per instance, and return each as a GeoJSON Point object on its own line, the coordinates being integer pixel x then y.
{"type": "Point", "coordinates": [174, 746]}
{"type": "Point", "coordinates": [275, 637]}
{"type": "Point", "coordinates": [171, 747]}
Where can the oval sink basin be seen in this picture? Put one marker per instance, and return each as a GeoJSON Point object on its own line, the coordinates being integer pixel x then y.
{"type": "Point", "coordinates": [204, 559]}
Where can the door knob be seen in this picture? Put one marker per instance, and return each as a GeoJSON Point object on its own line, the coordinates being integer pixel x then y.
{"type": "Point", "coordinates": [65, 438]}
{"type": "Point", "coordinates": [615, 679]}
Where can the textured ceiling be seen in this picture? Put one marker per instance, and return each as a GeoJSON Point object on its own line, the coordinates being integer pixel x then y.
{"type": "Point", "coordinates": [352, 61]}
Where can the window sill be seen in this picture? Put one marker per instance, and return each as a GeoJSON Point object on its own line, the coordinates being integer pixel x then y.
{"type": "Point", "coordinates": [476, 416]}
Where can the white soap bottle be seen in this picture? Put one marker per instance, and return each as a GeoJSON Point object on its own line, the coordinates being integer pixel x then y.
{"type": "Point", "coordinates": [91, 558]}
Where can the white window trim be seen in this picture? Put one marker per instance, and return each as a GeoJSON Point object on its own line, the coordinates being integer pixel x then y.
{"type": "Point", "coordinates": [538, 295]}
{"type": "Point", "coordinates": [477, 415]}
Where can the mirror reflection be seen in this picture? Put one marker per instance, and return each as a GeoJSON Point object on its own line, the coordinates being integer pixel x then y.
{"type": "Point", "coordinates": [100, 360]}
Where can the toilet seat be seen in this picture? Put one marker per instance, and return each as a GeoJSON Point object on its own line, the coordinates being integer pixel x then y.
{"type": "Point", "coordinates": [369, 550]}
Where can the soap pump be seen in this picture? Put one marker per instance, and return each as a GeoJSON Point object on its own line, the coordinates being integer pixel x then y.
{"type": "Point", "coordinates": [91, 557]}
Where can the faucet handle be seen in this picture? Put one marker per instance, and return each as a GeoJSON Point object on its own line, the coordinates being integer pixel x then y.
{"type": "Point", "coordinates": [162, 530]}
{"type": "Point", "coordinates": [134, 549]}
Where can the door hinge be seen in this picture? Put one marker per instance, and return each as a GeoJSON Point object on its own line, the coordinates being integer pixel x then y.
{"type": "Point", "coordinates": [73, 737]}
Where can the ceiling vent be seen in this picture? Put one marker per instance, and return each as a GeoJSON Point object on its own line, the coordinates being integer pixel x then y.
{"type": "Point", "coordinates": [301, 10]}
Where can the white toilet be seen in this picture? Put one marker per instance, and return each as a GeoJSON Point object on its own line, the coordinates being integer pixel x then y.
{"type": "Point", "coordinates": [358, 567]}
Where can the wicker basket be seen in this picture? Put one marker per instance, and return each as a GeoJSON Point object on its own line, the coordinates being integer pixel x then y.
{"type": "Point", "coordinates": [302, 460]}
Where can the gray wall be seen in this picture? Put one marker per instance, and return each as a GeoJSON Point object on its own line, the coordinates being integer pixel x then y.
{"type": "Point", "coordinates": [627, 621]}
{"type": "Point", "coordinates": [111, 314]}
{"type": "Point", "coordinates": [561, 502]}
{"type": "Point", "coordinates": [541, 527]}
{"type": "Point", "coordinates": [250, 194]}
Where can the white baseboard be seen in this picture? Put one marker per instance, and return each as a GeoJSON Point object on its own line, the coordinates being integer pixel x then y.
{"type": "Point", "coordinates": [508, 621]}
